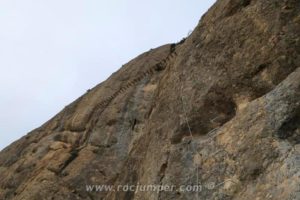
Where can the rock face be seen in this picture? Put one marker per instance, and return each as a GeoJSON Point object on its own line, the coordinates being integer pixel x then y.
{"type": "Point", "coordinates": [219, 110]}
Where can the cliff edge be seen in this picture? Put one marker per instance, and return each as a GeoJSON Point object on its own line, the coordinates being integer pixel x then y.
{"type": "Point", "coordinates": [219, 110]}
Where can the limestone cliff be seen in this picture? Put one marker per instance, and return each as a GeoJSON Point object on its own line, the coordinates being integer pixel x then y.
{"type": "Point", "coordinates": [219, 110]}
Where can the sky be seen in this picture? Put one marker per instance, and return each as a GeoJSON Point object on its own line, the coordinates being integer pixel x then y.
{"type": "Point", "coordinates": [51, 52]}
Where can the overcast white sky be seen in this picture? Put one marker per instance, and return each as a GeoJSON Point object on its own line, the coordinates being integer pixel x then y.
{"type": "Point", "coordinates": [52, 51]}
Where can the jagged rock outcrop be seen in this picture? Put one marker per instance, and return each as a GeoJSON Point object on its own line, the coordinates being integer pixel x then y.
{"type": "Point", "coordinates": [220, 109]}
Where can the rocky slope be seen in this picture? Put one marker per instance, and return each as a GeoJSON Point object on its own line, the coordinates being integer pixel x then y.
{"type": "Point", "coordinates": [219, 110]}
